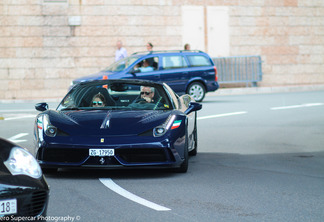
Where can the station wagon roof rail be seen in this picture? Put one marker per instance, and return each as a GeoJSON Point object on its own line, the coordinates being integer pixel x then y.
{"type": "Point", "coordinates": [166, 51]}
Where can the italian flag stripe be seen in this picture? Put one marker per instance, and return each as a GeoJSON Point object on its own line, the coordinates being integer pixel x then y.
{"type": "Point", "coordinates": [39, 124]}
{"type": "Point", "coordinates": [176, 124]}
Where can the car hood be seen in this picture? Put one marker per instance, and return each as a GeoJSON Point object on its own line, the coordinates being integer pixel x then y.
{"type": "Point", "coordinates": [107, 122]}
{"type": "Point", "coordinates": [95, 76]}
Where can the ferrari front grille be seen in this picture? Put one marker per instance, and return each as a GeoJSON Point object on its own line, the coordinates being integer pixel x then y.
{"type": "Point", "coordinates": [64, 155]}
{"type": "Point", "coordinates": [141, 155]}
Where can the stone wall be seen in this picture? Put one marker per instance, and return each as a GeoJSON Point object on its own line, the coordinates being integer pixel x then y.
{"type": "Point", "coordinates": [41, 51]}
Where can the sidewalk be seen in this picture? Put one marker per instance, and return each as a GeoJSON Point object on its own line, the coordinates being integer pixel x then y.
{"type": "Point", "coordinates": [219, 92]}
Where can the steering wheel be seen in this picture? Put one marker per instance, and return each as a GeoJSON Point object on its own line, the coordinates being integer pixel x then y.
{"type": "Point", "coordinates": [141, 101]}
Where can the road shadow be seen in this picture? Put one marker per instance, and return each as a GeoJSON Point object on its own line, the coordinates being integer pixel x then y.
{"type": "Point", "coordinates": [311, 164]}
{"type": "Point", "coordinates": [67, 173]}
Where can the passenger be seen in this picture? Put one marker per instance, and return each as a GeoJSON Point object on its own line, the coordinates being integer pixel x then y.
{"type": "Point", "coordinates": [146, 67]}
{"type": "Point", "coordinates": [98, 100]}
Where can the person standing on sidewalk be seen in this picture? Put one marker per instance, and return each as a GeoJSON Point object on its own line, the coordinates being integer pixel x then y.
{"type": "Point", "coordinates": [149, 46]}
{"type": "Point", "coordinates": [120, 52]}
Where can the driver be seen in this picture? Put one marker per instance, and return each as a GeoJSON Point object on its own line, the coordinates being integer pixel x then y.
{"type": "Point", "coordinates": [146, 99]}
{"type": "Point", "coordinates": [147, 93]}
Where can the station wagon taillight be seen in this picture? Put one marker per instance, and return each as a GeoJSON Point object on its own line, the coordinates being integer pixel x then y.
{"type": "Point", "coordinates": [105, 86]}
{"type": "Point", "coordinates": [216, 77]}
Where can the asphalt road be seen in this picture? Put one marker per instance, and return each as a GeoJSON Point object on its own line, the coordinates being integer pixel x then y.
{"type": "Point", "coordinates": [260, 158]}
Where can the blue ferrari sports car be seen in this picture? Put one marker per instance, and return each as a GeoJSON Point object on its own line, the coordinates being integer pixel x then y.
{"type": "Point", "coordinates": [117, 123]}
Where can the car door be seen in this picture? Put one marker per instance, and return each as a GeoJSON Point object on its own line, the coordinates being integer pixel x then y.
{"type": "Point", "coordinates": [201, 67]}
{"type": "Point", "coordinates": [174, 72]}
{"type": "Point", "coordinates": [147, 68]}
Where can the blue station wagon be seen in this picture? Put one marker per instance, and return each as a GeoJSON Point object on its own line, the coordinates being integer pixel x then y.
{"type": "Point", "coordinates": [186, 72]}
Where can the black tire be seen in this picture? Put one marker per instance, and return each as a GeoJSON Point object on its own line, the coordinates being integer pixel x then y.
{"type": "Point", "coordinates": [184, 166]}
{"type": "Point", "coordinates": [195, 134]}
{"type": "Point", "coordinates": [197, 91]}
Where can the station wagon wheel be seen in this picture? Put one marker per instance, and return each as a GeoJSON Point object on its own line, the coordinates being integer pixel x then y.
{"type": "Point", "coordinates": [197, 91]}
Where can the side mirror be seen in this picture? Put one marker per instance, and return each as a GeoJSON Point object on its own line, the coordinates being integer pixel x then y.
{"type": "Point", "coordinates": [135, 71]}
{"type": "Point", "coordinates": [41, 107]}
{"type": "Point", "coordinates": [193, 106]}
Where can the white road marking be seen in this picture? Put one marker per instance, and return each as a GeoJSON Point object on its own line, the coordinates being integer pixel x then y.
{"type": "Point", "coordinates": [20, 117]}
{"type": "Point", "coordinates": [121, 191]}
{"type": "Point", "coordinates": [297, 106]}
{"type": "Point", "coordinates": [222, 115]}
{"type": "Point", "coordinates": [16, 110]}
{"type": "Point", "coordinates": [15, 139]}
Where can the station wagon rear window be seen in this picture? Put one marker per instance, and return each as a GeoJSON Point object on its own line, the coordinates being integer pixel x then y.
{"type": "Point", "coordinates": [198, 60]}
{"type": "Point", "coordinates": [174, 62]}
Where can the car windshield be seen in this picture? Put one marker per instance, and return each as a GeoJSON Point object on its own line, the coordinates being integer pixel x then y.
{"type": "Point", "coordinates": [116, 95]}
{"type": "Point", "coordinates": [122, 64]}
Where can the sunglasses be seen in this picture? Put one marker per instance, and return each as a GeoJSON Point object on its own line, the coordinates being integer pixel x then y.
{"type": "Point", "coordinates": [97, 103]}
{"type": "Point", "coordinates": [146, 93]}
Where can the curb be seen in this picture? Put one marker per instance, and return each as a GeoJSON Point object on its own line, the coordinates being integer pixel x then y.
{"type": "Point", "coordinates": [265, 90]}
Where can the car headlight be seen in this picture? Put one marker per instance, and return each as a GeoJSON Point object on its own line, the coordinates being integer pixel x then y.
{"type": "Point", "coordinates": [21, 162]}
{"type": "Point", "coordinates": [43, 123]}
{"type": "Point", "coordinates": [162, 129]}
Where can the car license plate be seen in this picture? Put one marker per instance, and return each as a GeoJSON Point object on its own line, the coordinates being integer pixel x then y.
{"type": "Point", "coordinates": [8, 207]}
{"type": "Point", "coordinates": [101, 152]}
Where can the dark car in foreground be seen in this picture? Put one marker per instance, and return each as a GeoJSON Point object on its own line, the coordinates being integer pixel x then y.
{"type": "Point", "coordinates": [186, 72]}
{"type": "Point", "coordinates": [23, 189]}
{"type": "Point", "coordinates": [136, 124]}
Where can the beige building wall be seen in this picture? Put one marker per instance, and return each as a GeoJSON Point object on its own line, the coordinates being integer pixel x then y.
{"type": "Point", "coordinates": [44, 44]}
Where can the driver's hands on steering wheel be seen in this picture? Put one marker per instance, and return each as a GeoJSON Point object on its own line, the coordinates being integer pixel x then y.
{"type": "Point", "coordinates": [148, 99]}
{"type": "Point", "coordinates": [141, 101]}
{"type": "Point", "coordinates": [144, 100]}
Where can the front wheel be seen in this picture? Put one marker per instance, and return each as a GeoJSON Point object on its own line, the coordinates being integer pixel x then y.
{"type": "Point", "coordinates": [184, 166]}
{"type": "Point", "coordinates": [197, 91]}
{"type": "Point", "coordinates": [195, 135]}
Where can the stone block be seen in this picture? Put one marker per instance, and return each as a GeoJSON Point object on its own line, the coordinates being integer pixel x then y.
{"type": "Point", "coordinates": [4, 85]}
{"type": "Point", "coordinates": [281, 59]}
{"type": "Point", "coordinates": [311, 3]}
{"type": "Point", "coordinates": [53, 31]}
{"type": "Point", "coordinates": [21, 9]}
{"type": "Point", "coordinates": [311, 49]}
{"type": "Point", "coordinates": [54, 9]}
{"type": "Point", "coordinates": [279, 50]}
{"type": "Point", "coordinates": [56, 84]}
{"type": "Point", "coordinates": [55, 20]}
